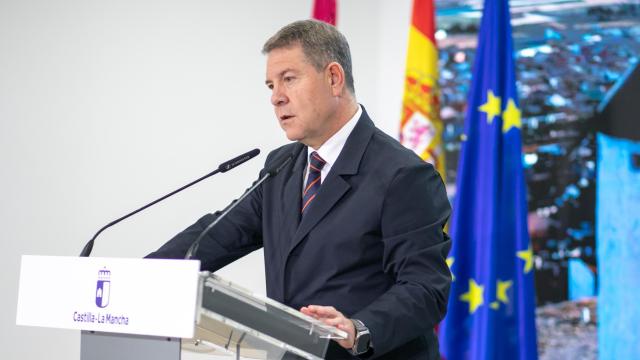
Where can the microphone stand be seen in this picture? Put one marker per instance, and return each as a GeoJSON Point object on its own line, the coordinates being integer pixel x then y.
{"type": "Point", "coordinates": [224, 167]}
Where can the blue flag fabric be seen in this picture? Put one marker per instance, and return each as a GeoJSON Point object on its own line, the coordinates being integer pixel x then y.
{"type": "Point", "coordinates": [491, 312]}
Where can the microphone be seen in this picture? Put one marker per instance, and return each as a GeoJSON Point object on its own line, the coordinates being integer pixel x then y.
{"type": "Point", "coordinates": [230, 164]}
{"type": "Point", "coordinates": [268, 173]}
{"type": "Point", "coordinates": [224, 167]}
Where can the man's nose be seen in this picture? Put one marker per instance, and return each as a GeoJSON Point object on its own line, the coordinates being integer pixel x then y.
{"type": "Point", "coordinates": [278, 97]}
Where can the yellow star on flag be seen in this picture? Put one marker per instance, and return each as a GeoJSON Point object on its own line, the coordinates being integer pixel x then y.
{"type": "Point", "coordinates": [501, 291]}
{"type": "Point", "coordinates": [474, 296]}
{"type": "Point", "coordinates": [501, 294]}
{"type": "Point", "coordinates": [527, 256]}
{"type": "Point", "coordinates": [511, 117]}
{"type": "Point", "coordinates": [491, 107]}
{"type": "Point", "coordinates": [450, 261]}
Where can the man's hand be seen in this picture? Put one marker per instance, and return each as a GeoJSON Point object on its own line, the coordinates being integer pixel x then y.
{"type": "Point", "coordinates": [330, 316]}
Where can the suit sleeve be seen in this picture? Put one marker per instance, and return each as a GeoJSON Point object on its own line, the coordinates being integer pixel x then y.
{"type": "Point", "coordinates": [414, 213]}
{"type": "Point", "coordinates": [235, 236]}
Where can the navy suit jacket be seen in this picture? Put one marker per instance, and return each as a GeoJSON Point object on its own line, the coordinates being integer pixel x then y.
{"type": "Point", "coordinates": [371, 244]}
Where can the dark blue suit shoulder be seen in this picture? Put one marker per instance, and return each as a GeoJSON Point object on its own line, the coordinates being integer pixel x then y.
{"type": "Point", "coordinates": [392, 154]}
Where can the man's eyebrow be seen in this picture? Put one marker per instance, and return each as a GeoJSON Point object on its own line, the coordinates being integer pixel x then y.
{"type": "Point", "coordinates": [280, 74]}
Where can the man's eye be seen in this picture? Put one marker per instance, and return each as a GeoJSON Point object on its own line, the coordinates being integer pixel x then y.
{"type": "Point", "coordinates": [288, 78]}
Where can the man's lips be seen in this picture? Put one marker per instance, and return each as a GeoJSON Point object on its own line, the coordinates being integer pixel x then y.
{"type": "Point", "coordinates": [286, 117]}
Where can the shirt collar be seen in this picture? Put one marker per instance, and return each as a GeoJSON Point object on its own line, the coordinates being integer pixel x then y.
{"type": "Point", "coordinates": [330, 150]}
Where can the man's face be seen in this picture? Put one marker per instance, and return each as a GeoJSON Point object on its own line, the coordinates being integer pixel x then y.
{"type": "Point", "coordinates": [301, 96]}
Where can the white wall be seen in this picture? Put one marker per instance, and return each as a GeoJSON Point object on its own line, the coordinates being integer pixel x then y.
{"type": "Point", "coordinates": [106, 105]}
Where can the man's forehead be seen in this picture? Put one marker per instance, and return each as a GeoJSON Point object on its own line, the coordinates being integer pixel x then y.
{"type": "Point", "coordinates": [286, 54]}
{"type": "Point", "coordinates": [294, 46]}
{"type": "Point", "coordinates": [282, 60]}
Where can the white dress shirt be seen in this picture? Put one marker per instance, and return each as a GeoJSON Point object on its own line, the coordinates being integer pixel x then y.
{"type": "Point", "coordinates": [330, 150]}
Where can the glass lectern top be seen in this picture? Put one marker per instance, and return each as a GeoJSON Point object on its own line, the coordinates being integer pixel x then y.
{"type": "Point", "coordinates": [236, 319]}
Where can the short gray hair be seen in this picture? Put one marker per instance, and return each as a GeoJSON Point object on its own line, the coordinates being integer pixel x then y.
{"type": "Point", "coordinates": [321, 44]}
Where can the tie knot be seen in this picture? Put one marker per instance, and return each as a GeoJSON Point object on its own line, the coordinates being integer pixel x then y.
{"type": "Point", "coordinates": [316, 162]}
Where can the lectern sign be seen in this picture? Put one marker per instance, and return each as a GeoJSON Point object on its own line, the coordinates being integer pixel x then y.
{"type": "Point", "coordinates": [135, 296]}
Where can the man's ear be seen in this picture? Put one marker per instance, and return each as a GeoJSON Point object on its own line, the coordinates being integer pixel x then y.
{"type": "Point", "coordinates": [336, 78]}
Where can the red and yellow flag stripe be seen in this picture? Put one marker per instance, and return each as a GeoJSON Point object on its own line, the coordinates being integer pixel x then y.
{"type": "Point", "coordinates": [421, 126]}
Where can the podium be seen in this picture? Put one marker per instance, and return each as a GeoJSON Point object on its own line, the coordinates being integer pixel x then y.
{"type": "Point", "coordinates": [156, 309]}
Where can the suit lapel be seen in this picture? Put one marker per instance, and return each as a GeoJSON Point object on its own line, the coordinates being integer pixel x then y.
{"type": "Point", "coordinates": [335, 185]}
{"type": "Point", "coordinates": [292, 194]}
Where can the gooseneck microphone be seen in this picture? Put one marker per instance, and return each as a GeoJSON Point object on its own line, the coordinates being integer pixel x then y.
{"type": "Point", "coordinates": [269, 173]}
{"type": "Point", "coordinates": [224, 167]}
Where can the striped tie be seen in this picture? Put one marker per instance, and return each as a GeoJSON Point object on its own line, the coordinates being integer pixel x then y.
{"type": "Point", "coordinates": [313, 181]}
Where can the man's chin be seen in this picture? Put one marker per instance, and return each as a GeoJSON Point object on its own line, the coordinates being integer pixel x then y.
{"type": "Point", "coordinates": [293, 136]}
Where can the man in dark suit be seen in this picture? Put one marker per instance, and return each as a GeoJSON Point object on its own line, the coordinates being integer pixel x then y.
{"type": "Point", "coordinates": [352, 228]}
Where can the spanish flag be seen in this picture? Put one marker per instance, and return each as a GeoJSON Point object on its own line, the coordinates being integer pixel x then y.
{"type": "Point", "coordinates": [421, 127]}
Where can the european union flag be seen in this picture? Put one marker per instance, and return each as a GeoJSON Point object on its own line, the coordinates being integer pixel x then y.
{"type": "Point", "coordinates": [491, 307]}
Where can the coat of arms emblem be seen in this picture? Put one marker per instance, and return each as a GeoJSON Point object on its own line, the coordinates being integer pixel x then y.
{"type": "Point", "coordinates": [103, 288]}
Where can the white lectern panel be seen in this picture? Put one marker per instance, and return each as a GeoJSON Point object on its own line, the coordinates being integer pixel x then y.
{"type": "Point", "coordinates": [134, 296]}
